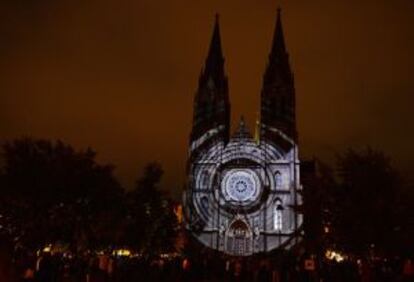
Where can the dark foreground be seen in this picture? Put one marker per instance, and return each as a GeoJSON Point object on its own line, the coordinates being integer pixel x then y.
{"type": "Point", "coordinates": [105, 268]}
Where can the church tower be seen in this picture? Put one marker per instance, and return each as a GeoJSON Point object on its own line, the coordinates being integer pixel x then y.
{"type": "Point", "coordinates": [278, 91]}
{"type": "Point", "coordinates": [211, 103]}
{"type": "Point", "coordinates": [243, 194]}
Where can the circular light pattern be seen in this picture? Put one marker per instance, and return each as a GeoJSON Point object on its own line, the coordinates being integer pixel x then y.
{"type": "Point", "coordinates": [240, 185]}
{"type": "Point", "coordinates": [228, 183]}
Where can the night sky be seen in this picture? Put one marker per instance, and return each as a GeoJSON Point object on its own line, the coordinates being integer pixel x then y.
{"type": "Point", "coordinates": [120, 76]}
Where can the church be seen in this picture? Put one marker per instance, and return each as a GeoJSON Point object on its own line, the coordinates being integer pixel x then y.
{"type": "Point", "coordinates": [243, 194]}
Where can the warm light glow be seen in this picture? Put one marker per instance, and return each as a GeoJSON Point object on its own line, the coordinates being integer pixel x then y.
{"type": "Point", "coordinates": [122, 252]}
{"type": "Point", "coordinates": [335, 255]}
{"type": "Point", "coordinates": [178, 210]}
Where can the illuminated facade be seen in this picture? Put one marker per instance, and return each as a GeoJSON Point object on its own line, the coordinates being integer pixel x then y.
{"type": "Point", "coordinates": [244, 193]}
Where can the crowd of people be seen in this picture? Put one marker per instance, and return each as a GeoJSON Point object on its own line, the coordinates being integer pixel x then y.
{"type": "Point", "coordinates": [105, 267]}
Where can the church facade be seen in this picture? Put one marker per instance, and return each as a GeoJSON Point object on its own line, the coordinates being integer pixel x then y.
{"type": "Point", "coordinates": [244, 193]}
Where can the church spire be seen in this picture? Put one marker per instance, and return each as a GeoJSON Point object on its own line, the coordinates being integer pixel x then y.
{"type": "Point", "coordinates": [214, 65]}
{"type": "Point", "coordinates": [278, 45]}
{"type": "Point", "coordinates": [278, 92]}
{"type": "Point", "coordinates": [278, 57]}
{"type": "Point", "coordinates": [211, 104]}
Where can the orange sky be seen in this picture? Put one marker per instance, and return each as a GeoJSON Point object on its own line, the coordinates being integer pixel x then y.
{"type": "Point", "coordinates": [119, 75]}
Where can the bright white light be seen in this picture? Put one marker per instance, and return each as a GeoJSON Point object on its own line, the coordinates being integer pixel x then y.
{"type": "Point", "coordinates": [277, 219]}
{"type": "Point", "coordinates": [240, 185]}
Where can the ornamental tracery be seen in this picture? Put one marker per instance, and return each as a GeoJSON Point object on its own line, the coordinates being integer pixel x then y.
{"type": "Point", "coordinates": [243, 192]}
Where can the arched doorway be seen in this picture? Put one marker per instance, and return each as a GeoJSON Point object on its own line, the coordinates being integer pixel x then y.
{"type": "Point", "coordinates": [239, 238]}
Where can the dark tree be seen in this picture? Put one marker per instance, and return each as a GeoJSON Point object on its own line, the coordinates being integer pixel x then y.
{"type": "Point", "coordinates": [365, 201]}
{"type": "Point", "coordinates": [404, 229]}
{"type": "Point", "coordinates": [152, 223]}
{"type": "Point", "coordinates": [319, 182]}
{"type": "Point", "coordinates": [51, 192]}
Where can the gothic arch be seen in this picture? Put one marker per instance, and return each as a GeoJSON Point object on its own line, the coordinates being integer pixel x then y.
{"type": "Point", "coordinates": [239, 238]}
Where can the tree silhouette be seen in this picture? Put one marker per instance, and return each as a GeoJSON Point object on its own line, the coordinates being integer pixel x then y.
{"type": "Point", "coordinates": [365, 198]}
{"type": "Point", "coordinates": [51, 192]}
{"type": "Point", "coordinates": [152, 223]}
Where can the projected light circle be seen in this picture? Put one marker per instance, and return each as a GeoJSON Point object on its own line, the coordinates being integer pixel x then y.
{"type": "Point", "coordinates": [240, 186]}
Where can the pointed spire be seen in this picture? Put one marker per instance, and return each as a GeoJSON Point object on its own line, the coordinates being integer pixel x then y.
{"type": "Point", "coordinates": [278, 58]}
{"type": "Point", "coordinates": [211, 104]}
{"type": "Point", "coordinates": [242, 132]}
{"type": "Point", "coordinates": [215, 59]}
{"type": "Point", "coordinates": [278, 45]}
{"type": "Point", "coordinates": [278, 92]}
{"type": "Point", "coordinates": [257, 130]}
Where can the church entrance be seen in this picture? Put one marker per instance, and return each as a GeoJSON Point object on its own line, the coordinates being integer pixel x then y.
{"type": "Point", "coordinates": [239, 239]}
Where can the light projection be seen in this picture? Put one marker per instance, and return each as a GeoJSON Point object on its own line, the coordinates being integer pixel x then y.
{"type": "Point", "coordinates": [278, 218]}
{"type": "Point", "coordinates": [278, 180]}
{"type": "Point", "coordinates": [240, 186]}
{"type": "Point", "coordinates": [243, 194]}
{"type": "Point", "coordinates": [243, 209]}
